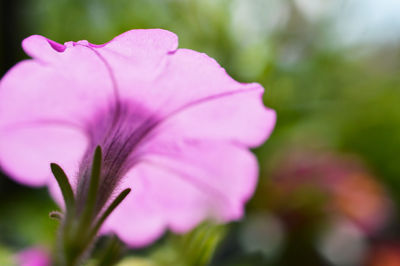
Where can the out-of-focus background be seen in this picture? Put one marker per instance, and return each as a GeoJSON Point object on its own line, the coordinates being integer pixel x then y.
{"type": "Point", "coordinates": [329, 187]}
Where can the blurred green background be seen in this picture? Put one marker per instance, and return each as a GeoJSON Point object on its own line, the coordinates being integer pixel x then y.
{"type": "Point", "coordinates": [329, 187]}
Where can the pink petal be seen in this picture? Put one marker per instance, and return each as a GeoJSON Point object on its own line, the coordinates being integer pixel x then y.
{"type": "Point", "coordinates": [42, 48]}
{"type": "Point", "coordinates": [68, 90]}
{"type": "Point", "coordinates": [238, 116]}
{"type": "Point", "coordinates": [182, 185]}
{"type": "Point", "coordinates": [44, 107]}
{"type": "Point", "coordinates": [142, 43]}
{"type": "Point", "coordinates": [26, 153]}
{"type": "Point", "coordinates": [147, 224]}
{"type": "Point", "coordinates": [136, 58]}
{"type": "Point", "coordinates": [190, 77]}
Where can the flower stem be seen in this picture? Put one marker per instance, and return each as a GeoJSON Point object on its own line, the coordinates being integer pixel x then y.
{"type": "Point", "coordinates": [111, 252]}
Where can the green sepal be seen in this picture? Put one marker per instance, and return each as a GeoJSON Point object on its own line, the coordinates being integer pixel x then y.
{"type": "Point", "coordinates": [65, 186]}
{"type": "Point", "coordinates": [88, 212]}
{"type": "Point", "coordinates": [108, 211]}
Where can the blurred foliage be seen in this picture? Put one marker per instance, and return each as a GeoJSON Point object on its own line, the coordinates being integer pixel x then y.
{"type": "Point", "coordinates": [329, 96]}
{"type": "Point", "coordinates": [195, 248]}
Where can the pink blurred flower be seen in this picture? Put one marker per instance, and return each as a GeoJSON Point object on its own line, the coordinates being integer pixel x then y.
{"type": "Point", "coordinates": [172, 124]}
{"type": "Point", "coordinates": [384, 254]}
{"type": "Point", "coordinates": [341, 183]}
{"type": "Point", "coordinates": [33, 257]}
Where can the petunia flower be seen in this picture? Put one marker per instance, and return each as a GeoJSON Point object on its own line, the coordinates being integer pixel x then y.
{"type": "Point", "coordinates": [172, 125]}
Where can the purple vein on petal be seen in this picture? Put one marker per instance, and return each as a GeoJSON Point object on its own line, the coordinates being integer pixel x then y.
{"type": "Point", "coordinates": [111, 75]}
{"type": "Point", "coordinates": [152, 123]}
{"type": "Point", "coordinates": [205, 100]}
{"type": "Point", "coordinates": [147, 126]}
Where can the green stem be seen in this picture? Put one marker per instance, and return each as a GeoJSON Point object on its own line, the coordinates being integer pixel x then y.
{"type": "Point", "coordinates": [111, 253]}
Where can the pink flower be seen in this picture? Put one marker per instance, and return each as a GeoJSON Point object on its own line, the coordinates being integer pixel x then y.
{"type": "Point", "coordinates": [384, 254]}
{"type": "Point", "coordinates": [172, 124]}
{"type": "Point", "coordinates": [33, 257]}
{"type": "Point", "coordinates": [343, 181]}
